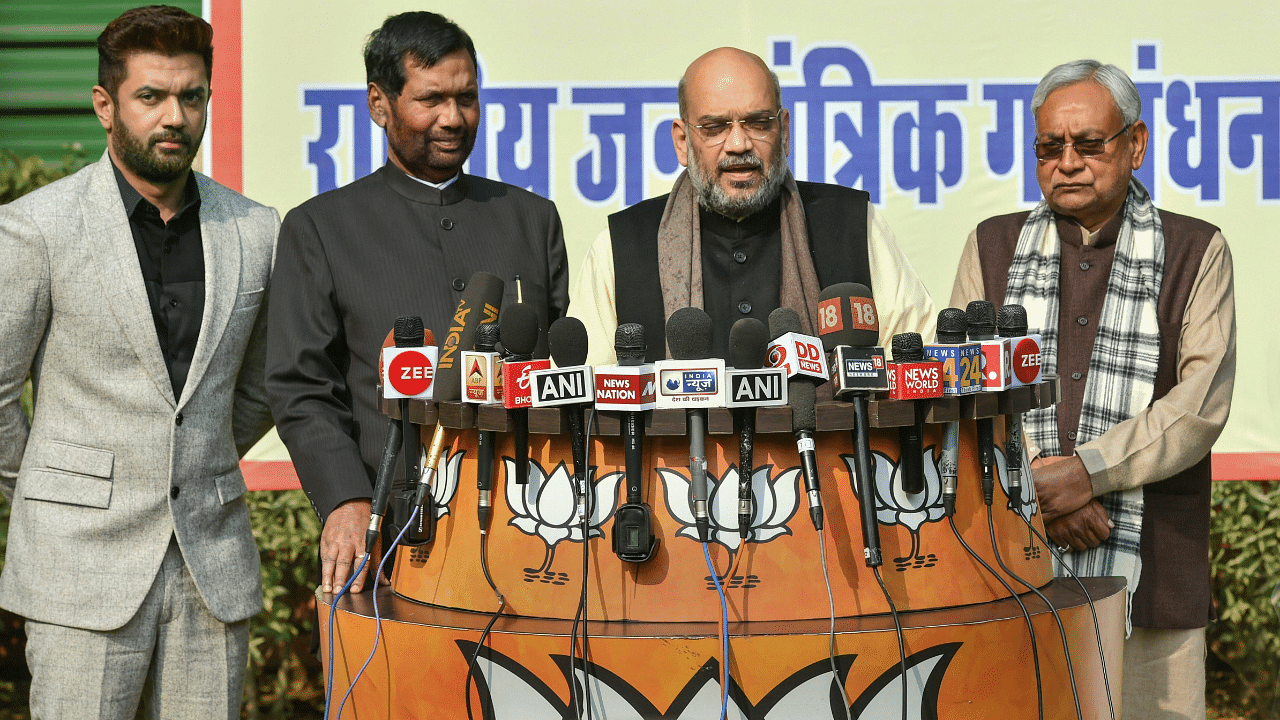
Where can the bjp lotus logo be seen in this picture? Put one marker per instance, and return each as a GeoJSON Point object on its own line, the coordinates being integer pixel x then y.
{"type": "Point", "coordinates": [547, 508]}
{"type": "Point", "coordinates": [775, 503]}
{"type": "Point", "coordinates": [895, 506]}
{"type": "Point", "coordinates": [508, 691]}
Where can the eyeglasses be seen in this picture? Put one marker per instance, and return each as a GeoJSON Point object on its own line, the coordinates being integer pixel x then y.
{"type": "Point", "coordinates": [757, 127]}
{"type": "Point", "coordinates": [1088, 147]}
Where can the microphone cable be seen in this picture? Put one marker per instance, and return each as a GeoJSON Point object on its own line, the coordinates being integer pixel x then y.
{"type": "Point", "coordinates": [902, 647]}
{"type": "Point", "coordinates": [1093, 610]}
{"type": "Point", "coordinates": [724, 635]}
{"type": "Point", "coordinates": [473, 668]}
{"type": "Point", "coordinates": [1066, 650]}
{"type": "Point", "coordinates": [580, 615]}
{"type": "Point", "coordinates": [378, 620]}
{"type": "Point", "coordinates": [831, 643]}
{"type": "Point", "coordinates": [1035, 652]}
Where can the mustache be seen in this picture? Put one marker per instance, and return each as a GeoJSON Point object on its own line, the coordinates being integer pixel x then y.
{"type": "Point", "coordinates": [745, 160]}
{"type": "Point", "coordinates": [178, 137]}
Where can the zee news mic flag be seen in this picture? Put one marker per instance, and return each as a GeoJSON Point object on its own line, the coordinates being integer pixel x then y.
{"type": "Point", "coordinates": [409, 372]}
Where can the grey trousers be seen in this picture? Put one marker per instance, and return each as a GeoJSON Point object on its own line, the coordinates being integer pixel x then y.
{"type": "Point", "coordinates": [173, 660]}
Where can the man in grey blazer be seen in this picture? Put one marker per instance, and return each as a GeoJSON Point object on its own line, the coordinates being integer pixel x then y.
{"type": "Point", "coordinates": [133, 292]}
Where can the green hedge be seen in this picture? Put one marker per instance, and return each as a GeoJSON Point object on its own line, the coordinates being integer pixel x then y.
{"type": "Point", "coordinates": [1244, 642]}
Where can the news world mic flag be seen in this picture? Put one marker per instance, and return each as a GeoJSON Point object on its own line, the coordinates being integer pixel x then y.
{"type": "Point", "coordinates": [409, 372]}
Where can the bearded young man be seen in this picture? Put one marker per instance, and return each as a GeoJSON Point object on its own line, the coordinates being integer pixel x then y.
{"type": "Point", "coordinates": [403, 240]}
{"type": "Point", "coordinates": [1137, 309]}
{"type": "Point", "coordinates": [737, 235]}
{"type": "Point", "coordinates": [132, 292]}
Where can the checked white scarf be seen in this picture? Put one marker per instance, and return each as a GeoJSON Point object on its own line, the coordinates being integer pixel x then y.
{"type": "Point", "coordinates": [1122, 367]}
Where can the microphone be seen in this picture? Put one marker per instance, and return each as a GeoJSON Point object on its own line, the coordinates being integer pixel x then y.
{"type": "Point", "coordinates": [1024, 356]}
{"type": "Point", "coordinates": [408, 371]}
{"type": "Point", "coordinates": [692, 380]}
{"type": "Point", "coordinates": [849, 328]}
{"type": "Point", "coordinates": [408, 334]}
{"type": "Point", "coordinates": [479, 304]}
{"type": "Point", "coordinates": [483, 384]}
{"type": "Point", "coordinates": [750, 385]}
{"type": "Point", "coordinates": [801, 389]}
{"type": "Point", "coordinates": [520, 329]}
{"type": "Point", "coordinates": [569, 386]}
{"type": "Point", "coordinates": [912, 378]}
{"type": "Point", "coordinates": [961, 375]}
{"type": "Point", "coordinates": [981, 316]}
{"type": "Point", "coordinates": [961, 360]}
{"type": "Point", "coordinates": [630, 388]}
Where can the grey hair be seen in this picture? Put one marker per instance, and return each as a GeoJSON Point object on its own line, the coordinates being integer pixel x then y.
{"type": "Point", "coordinates": [683, 96]}
{"type": "Point", "coordinates": [1116, 81]}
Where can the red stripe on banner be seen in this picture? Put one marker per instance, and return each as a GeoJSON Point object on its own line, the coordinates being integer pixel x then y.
{"type": "Point", "coordinates": [1246, 466]}
{"type": "Point", "coordinates": [279, 474]}
{"type": "Point", "coordinates": [227, 98]}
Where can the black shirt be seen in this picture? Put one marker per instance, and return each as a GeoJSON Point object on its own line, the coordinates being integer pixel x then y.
{"type": "Point", "coordinates": [741, 269]}
{"type": "Point", "coordinates": [171, 257]}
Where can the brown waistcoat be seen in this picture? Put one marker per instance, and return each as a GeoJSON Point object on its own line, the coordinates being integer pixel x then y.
{"type": "Point", "coordinates": [1173, 590]}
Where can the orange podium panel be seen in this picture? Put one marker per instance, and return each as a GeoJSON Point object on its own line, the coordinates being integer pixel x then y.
{"type": "Point", "coordinates": [654, 649]}
{"type": "Point", "coordinates": [964, 663]}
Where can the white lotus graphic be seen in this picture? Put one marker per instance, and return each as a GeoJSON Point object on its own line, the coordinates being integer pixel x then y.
{"type": "Point", "coordinates": [1030, 505]}
{"type": "Point", "coordinates": [776, 502]}
{"type": "Point", "coordinates": [547, 508]}
{"type": "Point", "coordinates": [445, 484]}
{"type": "Point", "coordinates": [509, 691]}
{"type": "Point", "coordinates": [895, 506]}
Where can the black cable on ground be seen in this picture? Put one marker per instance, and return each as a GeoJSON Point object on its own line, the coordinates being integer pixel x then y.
{"type": "Point", "coordinates": [1035, 652]}
{"type": "Point", "coordinates": [1062, 630]}
{"type": "Point", "coordinates": [902, 646]}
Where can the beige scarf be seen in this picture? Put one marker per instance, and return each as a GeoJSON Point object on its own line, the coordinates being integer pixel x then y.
{"type": "Point", "coordinates": [680, 254]}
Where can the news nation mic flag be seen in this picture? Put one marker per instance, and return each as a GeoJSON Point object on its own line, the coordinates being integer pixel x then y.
{"type": "Point", "coordinates": [626, 388]}
{"type": "Point", "coordinates": [409, 372]}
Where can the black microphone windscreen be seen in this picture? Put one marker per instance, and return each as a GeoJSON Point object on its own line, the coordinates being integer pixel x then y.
{"type": "Point", "coordinates": [628, 344]}
{"type": "Point", "coordinates": [519, 327]}
{"type": "Point", "coordinates": [481, 299]}
{"type": "Point", "coordinates": [908, 347]}
{"type": "Point", "coordinates": [782, 321]}
{"type": "Point", "coordinates": [568, 341]}
{"type": "Point", "coordinates": [1012, 321]}
{"type": "Point", "coordinates": [854, 322]}
{"type": "Point", "coordinates": [748, 344]}
{"type": "Point", "coordinates": [953, 328]}
{"type": "Point", "coordinates": [689, 334]}
{"type": "Point", "coordinates": [800, 396]}
{"type": "Point", "coordinates": [487, 336]}
{"type": "Point", "coordinates": [981, 316]}
{"type": "Point", "coordinates": [408, 331]}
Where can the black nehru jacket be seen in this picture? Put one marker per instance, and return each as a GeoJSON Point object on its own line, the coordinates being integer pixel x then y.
{"type": "Point", "coordinates": [171, 256]}
{"type": "Point", "coordinates": [741, 260]}
{"type": "Point", "coordinates": [351, 261]}
{"type": "Point", "coordinates": [741, 266]}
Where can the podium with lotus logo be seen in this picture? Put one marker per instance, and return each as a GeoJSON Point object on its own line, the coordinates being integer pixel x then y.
{"type": "Point", "coordinates": [653, 646]}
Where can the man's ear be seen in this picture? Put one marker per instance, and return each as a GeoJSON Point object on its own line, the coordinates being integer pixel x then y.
{"type": "Point", "coordinates": [784, 122]}
{"type": "Point", "coordinates": [1139, 136]}
{"type": "Point", "coordinates": [680, 139]}
{"type": "Point", "coordinates": [104, 107]}
{"type": "Point", "coordinates": [379, 105]}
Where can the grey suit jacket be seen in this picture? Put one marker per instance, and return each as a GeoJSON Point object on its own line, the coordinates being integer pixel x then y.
{"type": "Point", "coordinates": [113, 465]}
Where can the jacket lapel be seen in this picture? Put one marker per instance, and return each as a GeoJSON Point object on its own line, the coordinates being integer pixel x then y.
{"type": "Point", "coordinates": [221, 240]}
{"type": "Point", "coordinates": [115, 258]}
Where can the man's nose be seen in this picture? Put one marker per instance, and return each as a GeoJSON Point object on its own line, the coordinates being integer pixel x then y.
{"type": "Point", "coordinates": [173, 114]}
